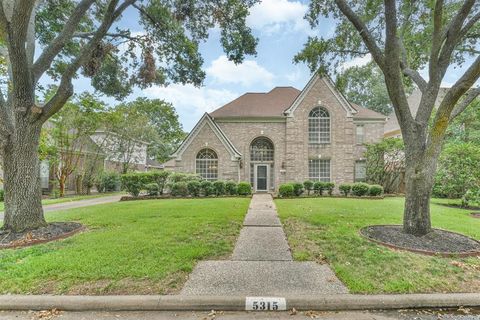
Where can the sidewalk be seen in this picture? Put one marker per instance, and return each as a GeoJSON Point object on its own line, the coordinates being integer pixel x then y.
{"type": "Point", "coordinates": [261, 263]}
{"type": "Point", "coordinates": [77, 204]}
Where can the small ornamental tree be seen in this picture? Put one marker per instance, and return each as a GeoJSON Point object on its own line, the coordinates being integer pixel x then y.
{"type": "Point", "coordinates": [404, 38]}
{"type": "Point", "coordinates": [308, 184]}
{"type": "Point", "coordinates": [63, 39]}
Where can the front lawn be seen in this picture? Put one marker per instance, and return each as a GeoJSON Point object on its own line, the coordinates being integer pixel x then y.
{"type": "Point", "coordinates": [138, 247]}
{"type": "Point", "coordinates": [327, 230]}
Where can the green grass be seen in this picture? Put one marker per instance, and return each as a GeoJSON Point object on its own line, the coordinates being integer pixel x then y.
{"type": "Point", "coordinates": [70, 198]}
{"type": "Point", "coordinates": [327, 229]}
{"type": "Point", "coordinates": [130, 247]}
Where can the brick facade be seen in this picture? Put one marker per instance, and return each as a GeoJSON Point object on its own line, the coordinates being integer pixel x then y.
{"type": "Point", "coordinates": [289, 135]}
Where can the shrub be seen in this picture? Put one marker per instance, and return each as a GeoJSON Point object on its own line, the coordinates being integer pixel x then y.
{"type": "Point", "coordinates": [107, 181]}
{"type": "Point", "coordinates": [286, 190]}
{"type": "Point", "coordinates": [345, 188]}
{"type": "Point", "coordinates": [182, 177]}
{"type": "Point", "coordinates": [375, 190]}
{"type": "Point", "coordinates": [297, 189]}
{"type": "Point", "coordinates": [231, 188]}
{"type": "Point", "coordinates": [2, 195]}
{"type": "Point", "coordinates": [308, 186]}
{"type": "Point", "coordinates": [207, 188]}
{"type": "Point", "coordinates": [219, 187]}
{"type": "Point", "coordinates": [179, 189]}
{"type": "Point", "coordinates": [244, 188]}
{"type": "Point", "coordinates": [329, 186]}
{"type": "Point", "coordinates": [471, 196]}
{"type": "Point", "coordinates": [360, 189]}
{"type": "Point", "coordinates": [133, 183]}
{"type": "Point", "coordinates": [319, 187]}
{"type": "Point", "coordinates": [160, 178]}
{"type": "Point", "coordinates": [194, 188]}
{"type": "Point", "coordinates": [152, 189]}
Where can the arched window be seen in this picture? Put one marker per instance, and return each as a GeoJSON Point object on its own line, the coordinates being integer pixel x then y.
{"type": "Point", "coordinates": [319, 126]}
{"type": "Point", "coordinates": [207, 164]}
{"type": "Point", "coordinates": [261, 150]}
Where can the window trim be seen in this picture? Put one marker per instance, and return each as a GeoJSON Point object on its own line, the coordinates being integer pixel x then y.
{"type": "Point", "coordinates": [363, 134]}
{"type": "Point", "coordinates": [355, 171]}
{"type": "Point", "coordinates": [197, 159]}
{"type": "Point", "coordinates": [319, 178]}
{"type": "Point", "coordinates": [318, 133]}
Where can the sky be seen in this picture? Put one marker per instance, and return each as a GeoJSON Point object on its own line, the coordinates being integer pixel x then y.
{"type": "Point", "coordinates": [281, 30]}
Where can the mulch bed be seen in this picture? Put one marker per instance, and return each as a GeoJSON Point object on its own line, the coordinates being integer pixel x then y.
{"type": "Point", "coordinates": [53, 231]}
{"type": "Point", "coordinates": [147, 197]}
{"type": "Point", "coordinates": [438, 242]}
{"type": "Point", "coordinates": [476, 215]}
{"type": "Point", "coordinates": [458, 206]}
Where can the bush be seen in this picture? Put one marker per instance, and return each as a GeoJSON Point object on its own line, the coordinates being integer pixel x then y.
{"type": "Point", "coordinates": [471, 196]}
{"type": "Point", "coordinates": [286, 190]}
{"type": "Point", "coordinates": [345, 188]}
{"type": "Point", "coordinates": [194, 188]}
{"type": "Point", "coordinates": [2, 195]}
{"type": "Point", "coordinates": [179, 189]}
{"type": "Point", "coordinates": [360, 189]}
{"type": "Point", "coordinates": [244, 188]}
{"type": "Point", "coordinates": [219, 187]}
{"type": "Point", "coordinates": [297, 189]}
{"type": "Point", "coordinates": [375, 190]}
{"type": "Point", "coordinates": [108, 181]}
{"type": "Point", "coordinates": [207, 188]}
{"type": "Point", "coordinates": [308, 185]}
{"type": "Point", "coordinates": [319, 187]}
{"type": "Point", "coordinates": [182, 177]}
{"type": "Point", "coordinates": [160, 178]}
{"type": "Point", "coordinates": [133, 183]}
{"type": "Point", "coordinates": [152, 189]}
{"type": "Point", "coordinates": [231, 188]}
{"type": "Point", "coordinates": [329, 186]}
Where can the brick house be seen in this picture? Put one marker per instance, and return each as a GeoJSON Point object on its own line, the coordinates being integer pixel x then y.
{"type": "Point", "coordinates": [281, 136]}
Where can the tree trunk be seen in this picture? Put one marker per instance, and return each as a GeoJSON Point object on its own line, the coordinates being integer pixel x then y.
{"type": "Point", "coordinates": [419, 180]}
{"type": "Point", "coordinates": [23, 193]}
{"type": "Point", "coordinates": [61, 185]}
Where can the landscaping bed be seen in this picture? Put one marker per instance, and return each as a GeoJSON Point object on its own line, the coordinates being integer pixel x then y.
{"type": "Point", "coordinates": [168, 196]}
{"type": "Point", "coordinates": [436, 242]}
{"type": "Point", "coordinates": [327, 230]}
{"type": "Point", "coordinates": [53, 231]}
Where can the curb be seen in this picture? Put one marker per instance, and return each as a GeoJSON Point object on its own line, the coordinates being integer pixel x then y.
{"type": "Point", "coordinates": [341, 302]}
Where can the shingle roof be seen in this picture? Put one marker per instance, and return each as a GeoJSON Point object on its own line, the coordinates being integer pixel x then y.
{"type": "Point", "coordinates": [364, 113]}
{"type": "Point", "coordinates": [269, 104]}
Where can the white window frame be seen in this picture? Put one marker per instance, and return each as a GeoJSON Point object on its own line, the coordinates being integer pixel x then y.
{"type": "Point", "coordinates": [319, 176]}
{"type": "Point", "coordinates": [206, 175]}
{"type": "Point", "coordinates": [362, 135]}
{"type": "Point", "coordinates": [355, 178]}
{"type": "Point", "coordinates": [316, 122]}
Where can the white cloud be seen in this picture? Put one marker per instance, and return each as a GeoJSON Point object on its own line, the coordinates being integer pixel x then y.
{"type": "Point", "coordinates": [249, 72]}
{"type": "Point", "coordinates": [271, 16]}
{"type": "Point", "coordinates": [189, 101]}
{"type": "Point", "coordinates": [357, 62]}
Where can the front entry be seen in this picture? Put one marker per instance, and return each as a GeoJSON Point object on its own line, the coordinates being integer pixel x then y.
{"type": "Point", "coordinates": [261, 177]}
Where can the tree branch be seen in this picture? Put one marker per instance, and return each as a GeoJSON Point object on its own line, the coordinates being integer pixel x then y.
{"type": "Point", "coordinates": [412, 74]}
{"type": "Point", "coordinates": [48, 55]}
{"type": "Point", "coordinates": [472, 94]}
{"type": "Point", "coordinates": [362, 29]}
{"type": "Point", "coordinates": [436, 37]}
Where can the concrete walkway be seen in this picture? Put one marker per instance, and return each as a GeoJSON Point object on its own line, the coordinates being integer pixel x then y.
{"type": "Point", "coordinates": [78, 204]}
{"type": "Point", "coordinates": [261, 263]}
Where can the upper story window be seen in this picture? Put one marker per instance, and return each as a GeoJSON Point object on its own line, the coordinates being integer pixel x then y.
{"type": "Point", "coordinates": [360, 134]}
{"type": "Point", "coordinates": [207, 164]}
{"type": "Point", "coordinates": [319, 126]}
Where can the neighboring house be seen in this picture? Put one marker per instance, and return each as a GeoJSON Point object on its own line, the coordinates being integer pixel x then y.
{"type": "Point", "coordinates": [281, 136]}
{"type": "Point", "coordinates": [392, 128]}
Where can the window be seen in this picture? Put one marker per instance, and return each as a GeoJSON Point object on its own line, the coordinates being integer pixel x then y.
{"type": "Point", "coordinates": [319, 126]}
{"type": "Point", "coordinates": [319, 170]}
{"type": "Point", "coordinates": [360, 171]}
{"type": "Point", "coordinates": [261, 150]}
{"type": "Point", "coordinates": [207, 164]}
{"type": "Point", "coordinates": [360, 133]}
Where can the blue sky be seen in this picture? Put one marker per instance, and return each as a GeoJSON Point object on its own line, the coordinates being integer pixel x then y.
{"type": "Point", "coordinates": [281, 30]}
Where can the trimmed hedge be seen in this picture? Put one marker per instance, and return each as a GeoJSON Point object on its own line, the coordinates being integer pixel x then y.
{"type": "Point", "coordinates": [297, 189]}
{"type": "Point", "coordinates": [244, 188]}
{"type": "Point", "coordinates": [152, 189]}
{"type": "Point", "coordinates": [194, 188]}
{"type": "Point", "coordinates": [231, 188]}
{"type": "Point", "coordinates": [179, 189]}
{"type": "Point", "coordinates": [308, 185]}
{"type": "Point", "coordinates": [345, 188]}
{"type": "Point", "coordinates": [286, 190]}
{"type": "Point", "coordinates": [375, 190]}
{"type": "Point", "coordinates": [360, 189]}
{"type": "Point", "coordinates": [219, 187]}
{"type": "Point", "coordinates": [133, 183]}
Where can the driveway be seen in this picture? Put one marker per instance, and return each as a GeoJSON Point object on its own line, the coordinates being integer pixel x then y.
{"type": "Point", "coordinates": [78, 204]}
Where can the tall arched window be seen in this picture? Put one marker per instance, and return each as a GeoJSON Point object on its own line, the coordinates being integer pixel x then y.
{"type": "Point", "coordinates": [207, 164]}
{"type": "Point", "coordinates": [319, 126]}
{"type": "Point", "coordinates": [261, 150]}
{"type": "Point", "coordinates": [262, 164]}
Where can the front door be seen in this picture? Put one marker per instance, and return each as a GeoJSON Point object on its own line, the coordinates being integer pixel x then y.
{"type": "Point", "coordinates": [261, 177]}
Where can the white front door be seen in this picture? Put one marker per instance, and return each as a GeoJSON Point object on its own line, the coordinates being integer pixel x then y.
{"type": "Point", "coordinates": [261, 177]}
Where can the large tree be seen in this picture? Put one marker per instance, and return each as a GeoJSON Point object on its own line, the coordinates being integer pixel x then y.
{"type": "Point", "coordinates": [87, 36]}
{"type": "Point", "coordinates": [404, 38]}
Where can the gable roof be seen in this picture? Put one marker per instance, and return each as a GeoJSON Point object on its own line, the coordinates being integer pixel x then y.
{"type": "Point", "coordinates": [207, 120]}
{"type": "Point", "coordinates": [364, 113]}
{"type": "Point", "coordinates": [259, 104]}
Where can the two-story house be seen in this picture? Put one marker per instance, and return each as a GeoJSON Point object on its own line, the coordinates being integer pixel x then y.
{"type": "Point", "coordinates": [281, 136]}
